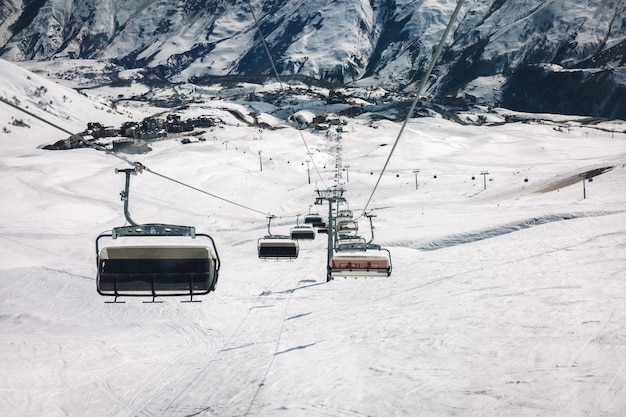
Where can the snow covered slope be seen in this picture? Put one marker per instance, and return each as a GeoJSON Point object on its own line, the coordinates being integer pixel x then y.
{"type": "Point", "coordinates": [506, 297]}
{"type": "Point", "coordinates": [46, 99]}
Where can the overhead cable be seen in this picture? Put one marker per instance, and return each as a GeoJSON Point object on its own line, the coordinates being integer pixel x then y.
{"type": "Point", "coordinates": [136, 165]}
{"type": "Point", "coordinates": [417, 97]}
{"type": "Point", "coordinates": [72, 135]}
{"type": "Point", "coordinates": [256, 22]}
{"type": "Point", "coordinates": [312, 160]}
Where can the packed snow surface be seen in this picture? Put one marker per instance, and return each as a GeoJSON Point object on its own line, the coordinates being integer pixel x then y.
{"type": "Point", "coordinates": [507, 295]}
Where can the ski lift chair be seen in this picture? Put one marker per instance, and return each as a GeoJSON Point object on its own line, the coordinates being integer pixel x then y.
{"type": "Point", "coordinates": [277, 246]}
{"type": "Point", "coordinates": [356, 263]}
{"type": "Point", "coordinates": [313, 219]}
{"type": "Point", "coordinates": [303, 232]}
{"type": "Point", "coordinates": [347, 242]}
{"type": "Point", "coordinates": [353, 257]}
{"type": "Point", "coordinates": [345, 214]}
{"type": "Point", "coordinates": [347, 227]}
{"type": "Point", "coordinates": [155, 270]}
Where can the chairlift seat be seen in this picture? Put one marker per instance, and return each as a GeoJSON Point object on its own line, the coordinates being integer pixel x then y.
{"type": "Point", "coordinates": [351, 243]}
{"type": "Point", "coordinates": [156, 270]}
{"type": "Point", "coordinates": [303, 232]}
{"type": "Point", "coordinates": [346, 214]}
{"type": "Point", "coordinates": [313, 219]}
{"type": "Point", "coordinates": [347, 225]}
{"type": "Point", "coordinates": [274, 246]}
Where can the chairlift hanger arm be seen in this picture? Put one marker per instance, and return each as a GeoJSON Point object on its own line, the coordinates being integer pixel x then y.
{"type": "Point", "coordinates": [125, 195]}
{"type": "Point", "coordinates": [150, 229]}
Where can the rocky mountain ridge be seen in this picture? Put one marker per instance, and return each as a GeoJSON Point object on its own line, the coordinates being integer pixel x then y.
{"type": "Point", "coordinates": [559, 56]}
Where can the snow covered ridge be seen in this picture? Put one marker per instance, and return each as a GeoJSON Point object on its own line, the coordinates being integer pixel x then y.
{"type": "Point", "coordinates": [496, 50]}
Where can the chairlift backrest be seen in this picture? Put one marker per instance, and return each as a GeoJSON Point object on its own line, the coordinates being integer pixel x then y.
{"type": "Point", "coordinates": [355, 263]}
{"type": "Point", "coordinates": [154, 270]}
{"type": "Point", "coordinates": [345, 214]}
{"type": "Point", "coordinates": [303, 232]}
{"type": "Point", "coordinates": [277, 247]}
{"type": "Point", "coordinates": [313, 219]}
{"type": "Point", "coordinates": [157, 270]}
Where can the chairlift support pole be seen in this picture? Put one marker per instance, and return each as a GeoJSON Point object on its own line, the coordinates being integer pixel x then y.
{"type": "Point", "coordinates": [331, 240]}
{"type": "Point", "coordinates": [585, 178]}
{"type": "Point", "coordinates": [331, 195]}
{"type": "Point", "coordinates": [484, 174]}
{"type": "Point", "coordinates": [308, 171]}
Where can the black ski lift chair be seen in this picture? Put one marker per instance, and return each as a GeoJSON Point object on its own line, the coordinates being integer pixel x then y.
{"type": "Point", "coordinates": [155, 270]}
{"type": "Point", "coordinates": [303, 232]}
{"type": "Point", "coordinates": [277, 246]}
{"type": "Point", "coordinates": [315, 220]}
{"type": "Point", "coordinates": [312, 218]}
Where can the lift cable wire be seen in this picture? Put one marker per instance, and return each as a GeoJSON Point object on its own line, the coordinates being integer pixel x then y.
{"type": "Point", "coordinates": [417, 98]}
{"type": "Point", "coordinates": [269, 55]}
{"type": "Point", "coordinates": [258, 27]}
{"type": "Point", "coordinates": [136, 165]}
{"type": "Point", "coordinates": [308, 152]}
{"type": "Point", "coordinates": [73, 135]}
{"type": "Point", "coordinates": [203, 191]}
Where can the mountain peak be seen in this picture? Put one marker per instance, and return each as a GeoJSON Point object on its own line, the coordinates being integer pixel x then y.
{"type": "Point", "coordinates": [493, 46]}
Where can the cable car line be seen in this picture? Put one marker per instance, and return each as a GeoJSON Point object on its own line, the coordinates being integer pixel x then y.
{"type": "Point", "coordinates": [137, 165]}
{"type": "Point", "coordinates": [417, 98]}
{"type": "Point", "coordinates": [269, 55]}
{"type": "Point", "coordinates": [256, 22]}
{"type": "Point", "coordinates": [202, 191]}
{"type": "Point", "coordinates": [141, 167]}
{"type": "Point", "coordinates": [277, 247]}
{"type": "Point", "coordinates": [308, 152]}
{"type": "Point", "coordinates": [73, 135]}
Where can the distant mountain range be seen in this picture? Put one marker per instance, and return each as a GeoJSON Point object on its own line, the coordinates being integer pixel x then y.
{"type": "Point", "coordinates": [559, 56]}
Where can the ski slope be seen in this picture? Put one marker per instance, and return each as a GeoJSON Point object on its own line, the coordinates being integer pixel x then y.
{"type": "Point", "coordinates": [504, 300]}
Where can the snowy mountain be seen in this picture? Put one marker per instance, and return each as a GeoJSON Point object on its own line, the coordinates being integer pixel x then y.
{"type": "Point", "coordinates": [561, 56]}
{"type": "Point", "coordinates": [507, 295]}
